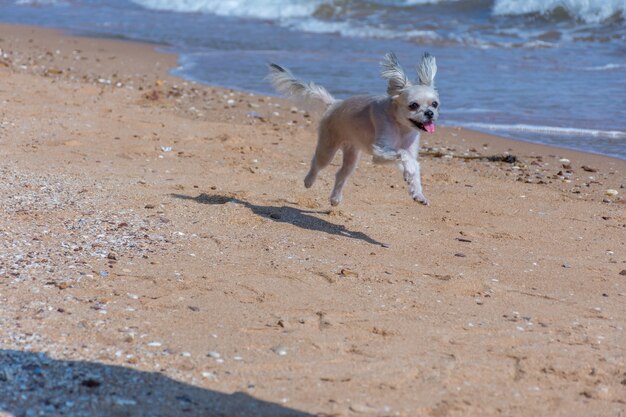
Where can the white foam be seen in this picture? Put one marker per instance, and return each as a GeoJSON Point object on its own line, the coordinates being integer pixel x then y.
{"type": "Point", "coordinates": [590, 11]}
{"type": "Point", "coordinates": [418, 2]}
{"type": "Point", "coordinates": [262, 9]}
{"type": "Point", "coordinates": [355, 30]}
{"type": "Point", "coordinates": [607, 67]}
{"type": "Point", "coordinates": [548, 130]}
{"type": "Point", "coordinates": [40, 2]}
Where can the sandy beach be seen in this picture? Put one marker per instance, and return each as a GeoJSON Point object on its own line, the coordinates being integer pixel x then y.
{"type": "Point", "coordinates": [159, 255]}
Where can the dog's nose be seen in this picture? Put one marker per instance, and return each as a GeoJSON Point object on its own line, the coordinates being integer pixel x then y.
{"type": "Point", "coordinates": [429, 114]}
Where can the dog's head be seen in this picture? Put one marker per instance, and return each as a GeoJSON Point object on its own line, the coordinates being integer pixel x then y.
{"type": "Point", "coordinates": [415, 105]}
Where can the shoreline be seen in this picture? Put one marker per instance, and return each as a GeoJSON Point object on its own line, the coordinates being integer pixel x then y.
{"type": "Point", "coordinates": [159, 254]}
{"type": "Point", "coordinates": [159, 49]}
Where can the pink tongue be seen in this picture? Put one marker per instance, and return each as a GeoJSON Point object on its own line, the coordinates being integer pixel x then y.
{"type": "Point", "coordinates": [430, 127]}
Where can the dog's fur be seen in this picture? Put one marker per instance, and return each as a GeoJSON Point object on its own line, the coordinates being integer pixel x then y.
{"type": "Point", "coordinates": [386, 127]}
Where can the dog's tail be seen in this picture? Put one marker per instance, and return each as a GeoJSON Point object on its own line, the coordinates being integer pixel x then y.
{"type": "Point", "coordinates": [308, 94]}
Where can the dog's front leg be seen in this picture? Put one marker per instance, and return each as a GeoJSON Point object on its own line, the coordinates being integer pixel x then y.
{"type": "Point", "coordinates": [412, 175]}
{"type": "Point", "coordinates": [407, 162]}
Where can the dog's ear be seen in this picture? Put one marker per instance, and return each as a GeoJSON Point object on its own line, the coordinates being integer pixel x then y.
{"type": "Point", "coordinates": [392, 71]}
{"type": "Point", "coordinates": [427, 70]}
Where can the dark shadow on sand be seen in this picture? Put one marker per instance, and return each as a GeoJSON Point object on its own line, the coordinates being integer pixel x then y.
{"type": "Point", "coordinates": [34, 384]}
{"type": "Point", "coordinates": [304, 219]}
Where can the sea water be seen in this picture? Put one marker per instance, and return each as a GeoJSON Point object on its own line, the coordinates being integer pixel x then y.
{"type": "Point", "coordinates": [546, 71]}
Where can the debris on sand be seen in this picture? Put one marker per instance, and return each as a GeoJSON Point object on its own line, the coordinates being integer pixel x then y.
{"type": "Point", "coordinates": [509, 159]}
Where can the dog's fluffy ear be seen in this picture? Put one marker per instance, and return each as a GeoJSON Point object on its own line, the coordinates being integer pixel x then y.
{"type": "Point", "coordinates": [427, 70]}
{"type": "Point", "coordinates": [392, 71]}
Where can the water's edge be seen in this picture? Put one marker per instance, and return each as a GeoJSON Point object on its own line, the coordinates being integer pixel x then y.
{"type": "Point", "coordinates": [177, 71]}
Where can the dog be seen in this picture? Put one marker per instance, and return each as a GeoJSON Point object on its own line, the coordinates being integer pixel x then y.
{"type": "Point", "coordinates": [387, 127]}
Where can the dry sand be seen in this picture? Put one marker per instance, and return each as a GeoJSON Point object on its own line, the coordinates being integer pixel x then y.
{"type": "Point", "coordinates": [205, 280]}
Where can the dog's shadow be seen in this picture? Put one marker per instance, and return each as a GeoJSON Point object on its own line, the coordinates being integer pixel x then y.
{"type": "Point", "coordinates": [304, 219]}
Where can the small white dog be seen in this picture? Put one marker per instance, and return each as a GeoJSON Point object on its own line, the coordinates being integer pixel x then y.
{"type": "Point", "coordinates": [386, 127]}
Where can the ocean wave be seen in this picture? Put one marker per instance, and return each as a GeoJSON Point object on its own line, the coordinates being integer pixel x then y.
{"type": "Point", "coordinates": [390, 18]}
{"type": "Point", "coordinates": [418, 2]}
{"type": "Point", "coordinates": [41, 2]}
{"type": "Point", "coordinates": [350, 29]}
{"type": "Point", "coordinates": [265, 9]}
{"type": "Point", "coordinates": [590, 11]}
{"type": "Point", "coordinates": [261, 9]}
{"type": "Point", "coordinates": [547, 130]}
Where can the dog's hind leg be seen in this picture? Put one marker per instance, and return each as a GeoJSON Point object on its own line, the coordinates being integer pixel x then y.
{"type": "Point", "coordinates": [324, 153]}
{"type": "Point", "coordinates": [350, 160]}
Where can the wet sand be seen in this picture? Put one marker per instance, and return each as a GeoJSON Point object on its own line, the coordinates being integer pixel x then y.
{"type": "Point", "coordinates": [160, 255]}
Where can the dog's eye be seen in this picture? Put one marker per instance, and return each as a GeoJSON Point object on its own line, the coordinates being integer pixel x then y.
{"type": "Point", "coordinates": [414, 106]}
{"type": "Point", "coordinates": [435, 104]}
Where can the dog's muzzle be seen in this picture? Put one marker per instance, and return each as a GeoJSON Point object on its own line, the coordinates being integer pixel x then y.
{"type": "Point", "coordinates": [428, 126]}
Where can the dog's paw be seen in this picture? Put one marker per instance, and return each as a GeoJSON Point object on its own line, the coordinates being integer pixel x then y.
{"type": "Point", "coordinates": [309, 180]}
{"type": "Point", "coordinates": [335, 200]}
{"type": "Point", "coordinates": [421, 199]}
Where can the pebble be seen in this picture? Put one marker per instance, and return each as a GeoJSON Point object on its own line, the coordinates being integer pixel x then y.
{"type": "Point", "coordinates": [213, 354]}
{"type": "Point", "coordinates": [280, 350]}
{"type": "Point", "coordinates": [566, 265]}
{"type": "Point", "coordinates": [363, 409]}
{"type": "Point", "coordinates": [209, 375]}
{"type": "Point", "coordinates": [154, 344]}
{"type": "Point", "coordinates": [256, 115]}
{"type": "Point", "coordinates": [623, 272]}
{"type": "Point", "coordinates": [63, 285]}
{"type": "Point", "coordinates": [284, 323]}
{"type": "Point", "coordinates": [611, 192]}
{"type": "Point", "coordinates": [104, 274]}
{"type": "Point", "coordinates": [125, 402]}
{"type": "Point", "coordinates": [348, 273]}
